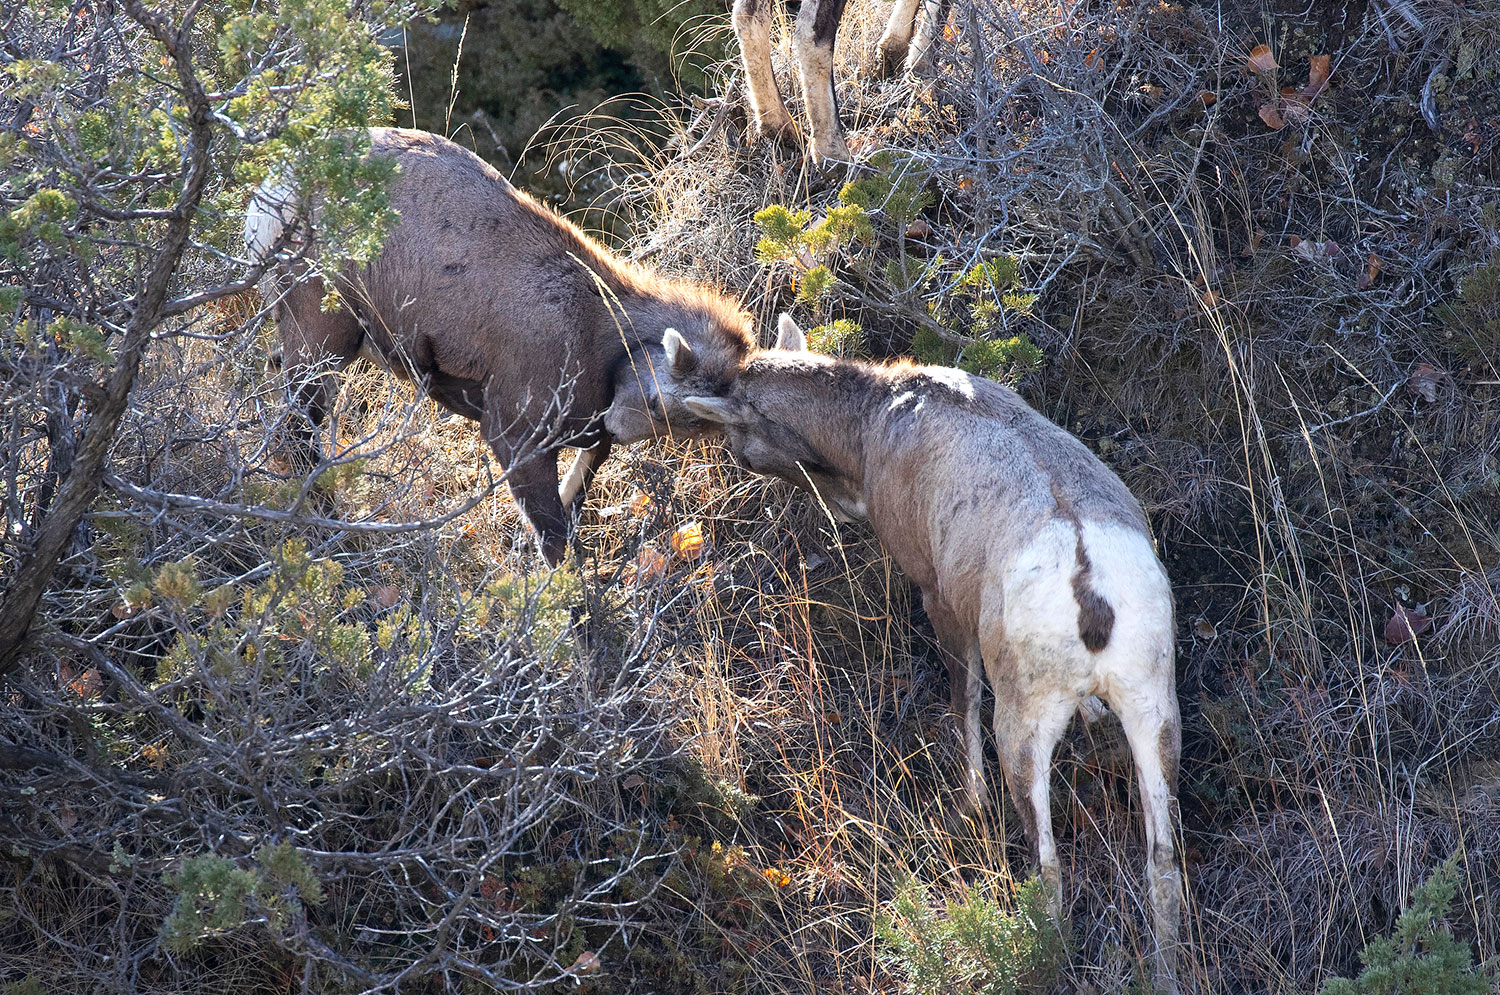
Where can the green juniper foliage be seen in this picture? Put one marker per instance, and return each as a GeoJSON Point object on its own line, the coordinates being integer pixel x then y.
{"type": "Point", "coordinates": [896, 187]}
{"type": "Point", "coordinates": [811, 249]}
{"type": "Point", "coordinates": [136, 136]}
{"type": "Point", "coordinates": [981, 301]}
{"type": "Point", "coordinates": [89, 183]}
{"type": "Point", "coordinates": [215, 895]}
{"type": "Point", "coordinates": [818, 252]}
{"type": "Point", "coordinates": [978, 303]}
{"type": "Point", "coordinates": [1420, 957]}
{"type": "Point", "coordinates": [840, 337]}
{"type": "Point", "coordinates": [972, 943]}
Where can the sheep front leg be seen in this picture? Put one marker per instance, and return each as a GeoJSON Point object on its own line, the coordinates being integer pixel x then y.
{"type": "Point", "coordinates": [581, 473]}
{"type": "Point", "coordinates": [533, 483]}
{"type": "Point", "coordinates": [960, 651]}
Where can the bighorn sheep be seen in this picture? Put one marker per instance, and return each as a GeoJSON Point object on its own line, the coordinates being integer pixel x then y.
{"type": "Point", "coordinates": [504, 313]}
{"type": "Point", "coordinates": [908, 36]}
{"type": "Point", "coordinates": [1034, 562]}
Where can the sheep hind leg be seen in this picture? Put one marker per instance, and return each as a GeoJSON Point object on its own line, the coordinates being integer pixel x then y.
{"type": "Point", "coordinates": [1155, 735]}
{"type": "Point", "coordinates": [1026, 739]}
{"type": "Point", "coordinates": [930, 23]}
{"type": "Point", "coordinates": [315, 347]}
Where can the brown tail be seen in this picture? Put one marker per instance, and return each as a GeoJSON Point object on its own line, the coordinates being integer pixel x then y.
{"type": "Point", "coordinates": [1096, 619]}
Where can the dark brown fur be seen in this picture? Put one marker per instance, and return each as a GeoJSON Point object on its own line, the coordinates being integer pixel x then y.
{"type": "Point", "coordinates": [826, 18]}
{"type": "Point", "coordinates": [1096, 619]}
{"type": "Point", "coordinates": [505, 313]}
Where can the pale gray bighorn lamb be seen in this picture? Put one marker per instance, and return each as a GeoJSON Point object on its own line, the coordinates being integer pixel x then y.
{"type": "Point", "coordinates": [908, 37]}
{"type": "Point", "coordinates": [503, 312]}
{"type": "Point", "coordinates": [1035, 563]}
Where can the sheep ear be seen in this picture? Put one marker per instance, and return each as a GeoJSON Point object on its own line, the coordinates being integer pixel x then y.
{"type": "Point", "coordinates": [681, 360]}
{"type": "Point", "coordinates": [720, 410]}
{"type": "Point", "coordinates": [789, 336]}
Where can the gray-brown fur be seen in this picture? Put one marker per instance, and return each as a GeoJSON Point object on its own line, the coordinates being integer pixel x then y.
{"type": "Point", "coordinates": [505, 313]}
{"type": "Point", "coordinates": [826, 15]}
{"type": "Point", "coordinates": [1034, 561]}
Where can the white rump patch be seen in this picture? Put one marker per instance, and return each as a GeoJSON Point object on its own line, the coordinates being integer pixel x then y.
{"type": "Point", "coordinates": [271, 211]}
{"type": "Point", "coordinates": [1125, 568]}
{"type": "Point", "coordinates": [1040, 611]}
{"type": "Point", "coordinates": [1125, 571]}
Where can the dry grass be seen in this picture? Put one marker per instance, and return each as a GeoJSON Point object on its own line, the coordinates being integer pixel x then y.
{"type": "Point", "coordinates": [1300, 482]}
{"type": "Point", "coordinates": [1315, 449]}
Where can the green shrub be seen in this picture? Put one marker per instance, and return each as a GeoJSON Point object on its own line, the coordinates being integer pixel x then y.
{"type": "Point", "coordinates": [994, 358]}
{"type": "Point", "coordinates": [995, 275]}
{"type": "Point", "coordinates": [897, 187]}
{"type": "Point", "coordinates": [781, 231]}
{"type": "Point", "coordinates": [979, 305]}
{"type": "Point", "coordinates": [812, 249]}
{"type": "Point", "coordinates": [214, 895]}
{"type": "Point", "coordinates": [928, 347]}
{"type": "Point", "coordinates": [538, 608]}
{"type": "Point", "coordinates": [1421, 957]}
{"type": "Point", "coordinates": [815, 283]}
{"type": "Point", "coordinates": [840, 337]}
{"type": "Point", "coordinates": [973, 944]}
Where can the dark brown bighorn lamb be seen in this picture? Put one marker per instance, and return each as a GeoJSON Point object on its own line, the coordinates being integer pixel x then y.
{"type": "Point", "coordinates": [1034, 561]}
{"type": "Point", "coordinates": [502, 312]}
{"type": "Point", "coordinates": [908, 36]}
